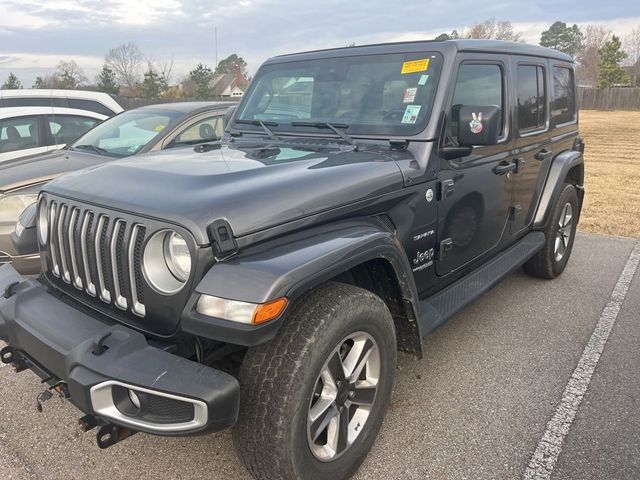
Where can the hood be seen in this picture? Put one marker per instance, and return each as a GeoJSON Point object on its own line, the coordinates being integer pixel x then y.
{"type": "Point", "coordinates": [37, 169]}
{"type": "Point", "coordinates": [252, 188]}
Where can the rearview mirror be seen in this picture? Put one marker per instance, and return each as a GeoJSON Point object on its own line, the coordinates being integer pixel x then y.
{"type": "Point", "coordinates": [479, 125]}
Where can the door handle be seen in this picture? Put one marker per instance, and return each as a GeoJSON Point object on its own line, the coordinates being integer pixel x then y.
{"type": "Point", "coordinates": [505, 167]}
{"type": "Point", "coordinates": [543, 154]}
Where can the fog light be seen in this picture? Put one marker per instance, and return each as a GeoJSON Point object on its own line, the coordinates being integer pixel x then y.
{"type": "Point", "coordinates": [135, 399]}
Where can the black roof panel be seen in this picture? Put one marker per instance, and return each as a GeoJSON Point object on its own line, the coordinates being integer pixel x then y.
{"type": "Point", "coordinates": [446, 47]}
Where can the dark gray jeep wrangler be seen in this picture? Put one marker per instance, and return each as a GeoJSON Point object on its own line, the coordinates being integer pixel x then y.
{"type": "Point", "coordinates": [360, 198]}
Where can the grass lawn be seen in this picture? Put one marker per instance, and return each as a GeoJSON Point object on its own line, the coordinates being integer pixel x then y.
{"type": "Point", "coordinates": [612, 171]}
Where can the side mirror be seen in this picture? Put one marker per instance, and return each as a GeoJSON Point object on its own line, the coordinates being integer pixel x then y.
{"type": "Point", "coordinates": [25, 237]}
{"type": "Point", "coordinates": [479, 125]}
{"type": "Point", "coordinates": [228, 115]}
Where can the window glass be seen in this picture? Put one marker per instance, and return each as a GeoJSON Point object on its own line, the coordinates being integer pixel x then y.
{"type": "Point", "coordinates": [127, 133]}
{"type": "Point", "coordinates": [476, 85]}
{"type": "Point", "coordinates": [531, 97]}
{"type": "Point", "coordinates": [19, 134]}
{"type": "Point", "coordinates": [390, 94]}
{"type": "Point", "coordinates": [66, 128]}
{"type": "Point", "coordinates": [563, 106]}
{"type": "Point", "coordinates": [90, 105]}
{"type": "Point", "coordinates": [207, 130]}
{"type": "Point", "coordinates": [36, 102]}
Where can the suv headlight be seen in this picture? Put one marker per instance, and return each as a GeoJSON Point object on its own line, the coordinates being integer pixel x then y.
{"type": "Point", "coordinates": [12, 205]}
{"type": "Point", "coordinates": [166, 262]}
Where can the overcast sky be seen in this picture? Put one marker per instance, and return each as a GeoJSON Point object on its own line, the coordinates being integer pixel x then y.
{"type": "Point", "coordinates": [36, 34]}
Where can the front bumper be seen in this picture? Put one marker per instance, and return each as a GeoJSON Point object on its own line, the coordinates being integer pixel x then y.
{"type": "Point", "coordinates": [62, 344]}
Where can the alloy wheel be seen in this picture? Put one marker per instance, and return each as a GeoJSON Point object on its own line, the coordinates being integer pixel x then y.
{"type": "Point", "coordinates": [344, 394]}
{"type": "Point", "coordinates": [565, 228]}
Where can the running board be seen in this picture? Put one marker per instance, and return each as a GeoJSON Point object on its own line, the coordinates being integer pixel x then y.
{"type": "Point", "coordinates": [445, 304]}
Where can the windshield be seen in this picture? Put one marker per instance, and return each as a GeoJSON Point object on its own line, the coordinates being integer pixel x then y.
{"type": "Point", "coordinates": [388, 95]}
{"type": "Point", "coordinates": [126, 134]}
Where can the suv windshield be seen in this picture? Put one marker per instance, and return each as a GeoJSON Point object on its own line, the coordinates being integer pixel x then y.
{"type": "Point", "coordinates": [126, 134]}
{"type": "Point", "coordinates": [384, 95]}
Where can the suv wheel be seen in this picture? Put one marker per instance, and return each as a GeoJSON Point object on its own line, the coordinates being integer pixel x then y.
{"type": "Point", "coordinates": [313, 399]}
{"type": "Point", "coordinates": [552, 259]}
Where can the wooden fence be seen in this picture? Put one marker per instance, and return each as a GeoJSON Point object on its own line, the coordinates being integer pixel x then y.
{"type": "Point", "coordinates": [590, 98]}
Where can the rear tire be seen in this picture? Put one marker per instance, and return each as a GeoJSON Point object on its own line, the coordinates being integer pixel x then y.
{"type": "Point", "coordinates": [560, 232]}
{"type": "Point", "coordinates": [296, 378]}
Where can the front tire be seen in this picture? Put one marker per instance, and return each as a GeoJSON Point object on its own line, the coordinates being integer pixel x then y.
{"type": "Point", "coordinates": [553, 258]}
{"type": "Point", "coordinates": [313, 399]}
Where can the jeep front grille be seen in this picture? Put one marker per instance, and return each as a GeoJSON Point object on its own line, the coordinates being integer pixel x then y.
{"type": "Point", "coordinates": [97, 253]}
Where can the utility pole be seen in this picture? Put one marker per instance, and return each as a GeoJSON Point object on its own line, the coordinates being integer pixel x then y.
{"type": "Point", "coordinates": [215, 41]}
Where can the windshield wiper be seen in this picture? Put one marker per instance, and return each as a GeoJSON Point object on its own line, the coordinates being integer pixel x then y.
{"type": "Point", "coordinates": [259, 123]}
{"type": "Point", "coordinates": [331, 126]}
{"type": "Point", "coordinates": [93, 148]}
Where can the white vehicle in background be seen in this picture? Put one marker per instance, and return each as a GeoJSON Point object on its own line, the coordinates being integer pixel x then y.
{"type": "Point", "coordinates": [97, 102]}
{"type": "Point", "coordinates": [26, 131]}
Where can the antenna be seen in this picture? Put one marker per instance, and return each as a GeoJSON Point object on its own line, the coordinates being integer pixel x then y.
{"type": "Point", "coordinates": [215, 42]}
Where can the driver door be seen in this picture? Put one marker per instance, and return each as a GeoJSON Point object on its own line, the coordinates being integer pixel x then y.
{"type": "Point", "coordinates": [475, 196]}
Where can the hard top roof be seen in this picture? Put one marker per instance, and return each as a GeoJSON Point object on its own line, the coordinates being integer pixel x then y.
{"type": "Point", "coordinates": [447, 46]}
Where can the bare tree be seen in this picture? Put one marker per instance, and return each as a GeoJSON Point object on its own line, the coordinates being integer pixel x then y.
{"type": "Point", "coordinates": [69, 75]}
{"type": "Point", "coordinates": [493, 30]}
{"type": "Point", "coordinates": [632, 48]}
{"type": "Point", "coordinates": [595, 36]}
{"type": "Point", "coordinates": [126, 61]}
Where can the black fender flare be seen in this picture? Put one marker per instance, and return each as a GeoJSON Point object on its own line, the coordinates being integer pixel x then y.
{"type": "Point", "coordinates": [290, 266]}
{"type": "Point", "coordinates": [560, 167]}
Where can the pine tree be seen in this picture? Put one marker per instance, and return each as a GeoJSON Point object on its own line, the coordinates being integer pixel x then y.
{"type": "Point", "coordinates": [611, 73]}
{"type": "Point", "coordinates": [201, 76]}
{"type": "Point", "coordinates": [563, 38]}
{"type": "Point", "coordinates": [106, 81]}
{"type": "Point", "coordinates": [12, 83]}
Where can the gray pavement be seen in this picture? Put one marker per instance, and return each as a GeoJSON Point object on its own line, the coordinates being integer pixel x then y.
{"type": "Point", "coordinates": [475, 407]}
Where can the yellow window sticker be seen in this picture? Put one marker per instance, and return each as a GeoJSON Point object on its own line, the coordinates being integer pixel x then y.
{"type": "Point", "coordinates": [414, 66]}
{"type": "Point", "coordinates": [159, 128]}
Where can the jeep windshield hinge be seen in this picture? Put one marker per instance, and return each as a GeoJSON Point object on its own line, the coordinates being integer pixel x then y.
{"type": "Point", "coordinates": [446, 189]}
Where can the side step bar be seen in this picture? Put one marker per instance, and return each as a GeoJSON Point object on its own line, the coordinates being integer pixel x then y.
{"type": "Point", "coordinates": [445, 304]}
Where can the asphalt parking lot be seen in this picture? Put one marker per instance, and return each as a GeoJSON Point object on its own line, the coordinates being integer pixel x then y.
{"type": "Point", "coordinates": [475, 407]}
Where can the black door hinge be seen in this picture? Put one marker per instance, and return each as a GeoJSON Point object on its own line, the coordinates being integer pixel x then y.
{"type": "Point", "coordinates": [446, 189]}
{"type": "Point", "coordinates": [446, 245]}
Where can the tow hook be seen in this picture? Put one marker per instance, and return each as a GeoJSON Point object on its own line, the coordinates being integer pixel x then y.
{"type": "Point", "coordinates": [9, 356]}
{"type": "Point", "coordinates": [108, 435]}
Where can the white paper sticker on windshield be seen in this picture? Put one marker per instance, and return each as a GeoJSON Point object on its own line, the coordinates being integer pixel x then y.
{"type": "Point", "coordinates": [411, 113]}
{"type": "Point", "coordinates": [423, 79]}
{"type": "Point", "coordinates": [410, 95]}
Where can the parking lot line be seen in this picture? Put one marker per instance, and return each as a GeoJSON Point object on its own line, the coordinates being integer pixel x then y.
{"type": "Point", "coordinates": [550, 446]}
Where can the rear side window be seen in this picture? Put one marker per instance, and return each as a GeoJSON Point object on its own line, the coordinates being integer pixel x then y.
{"type": "Point", "coordinates": [36, 102]}
{"type": "Point", "coordinates": [19, 134]}
{"type": "Point", "coordinates": [477, 85]}
{"type": "Point", "coordinates": [90, 105]}
{"type": "Point", "coordinates": [563, 103]}
{"type": "Point", "coordinates": [531, 98]}
{"type": "Point", "coordinates": [66, 128]}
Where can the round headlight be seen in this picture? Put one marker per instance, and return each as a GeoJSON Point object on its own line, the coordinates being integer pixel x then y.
{"type": "Point", "coordinates": [166, 262]}
{"type": "Point", "coordinates": [43, 222]}
{"type": "Point", "coordinates": [177, 256]}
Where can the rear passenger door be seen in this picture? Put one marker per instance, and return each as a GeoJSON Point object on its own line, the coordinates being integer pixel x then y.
{"type": "Point", "coordinates": [533, 148]}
